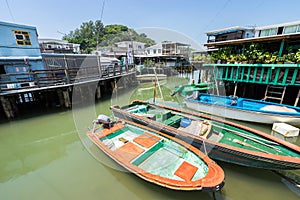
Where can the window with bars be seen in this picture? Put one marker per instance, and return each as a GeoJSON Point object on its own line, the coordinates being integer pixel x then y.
{"type": "Point", "coordinates": [22, 38]}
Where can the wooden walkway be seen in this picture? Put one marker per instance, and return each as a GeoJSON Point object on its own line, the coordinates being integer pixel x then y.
{"type": "Point", "coordinates": [59, 77]}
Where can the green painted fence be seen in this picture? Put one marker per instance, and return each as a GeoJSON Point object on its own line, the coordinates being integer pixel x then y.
{"type": "Point", "coordinates": [271, 74]}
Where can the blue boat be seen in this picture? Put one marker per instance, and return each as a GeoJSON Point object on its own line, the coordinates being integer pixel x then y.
{"type": "Point", "coordinates": [244, 109]}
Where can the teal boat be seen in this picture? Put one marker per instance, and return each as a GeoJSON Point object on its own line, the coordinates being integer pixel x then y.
{"type": "Point", "coordinates": [220, 139]}
{"type": "Point", "coordinates": [156, 157]}
{"type": "Point", "coordinates": [186, 90]}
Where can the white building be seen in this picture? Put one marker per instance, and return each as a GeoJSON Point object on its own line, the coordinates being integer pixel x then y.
{"type": "Point", "coordinates": [278, 29]}
{"type": "Point", "coordinates": [58, 46]}
{"type": "Point", "coordinates": [155, 50]}
{"type": "Point", "coordinates": [136, 47]}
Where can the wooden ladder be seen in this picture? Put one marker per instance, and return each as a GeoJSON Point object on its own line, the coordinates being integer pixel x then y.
{"type": "Point", "coordinates": [274, 93]}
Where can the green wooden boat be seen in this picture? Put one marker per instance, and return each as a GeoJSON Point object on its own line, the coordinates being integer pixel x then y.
{"type": "Point", "coordinates": [220, 139]}
{"type": "Point", "coordinates": [156, 157]}
{"type": "Point", "coordinates": [186, 90]}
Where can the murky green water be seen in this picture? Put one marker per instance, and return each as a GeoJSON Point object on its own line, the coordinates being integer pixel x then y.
{"type": "Point", "coordinates": [49, 157]}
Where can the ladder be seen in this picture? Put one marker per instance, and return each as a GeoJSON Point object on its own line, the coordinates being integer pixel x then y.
{"type": "Point", "coordinates": [274, 93]}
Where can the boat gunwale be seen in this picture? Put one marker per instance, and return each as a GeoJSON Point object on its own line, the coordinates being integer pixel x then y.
{"type": "Point", "coordinates": [215, 172]}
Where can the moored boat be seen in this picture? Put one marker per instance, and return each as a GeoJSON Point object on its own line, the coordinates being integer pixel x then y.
{"type": "Point", "coordinates": [185, 90]}
{"type": "Point", "coordinates": [244, 109]}
{"type": "Point", "coordinates": [221, 139]}
{"type": "Point", "coordinates": [157, 157]}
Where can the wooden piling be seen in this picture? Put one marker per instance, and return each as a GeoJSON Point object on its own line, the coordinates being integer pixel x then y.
{"type": "Point", "coordinates": [98, 92]}
{"type": "Point", "coordinates": [7, 107]}
{"type": "Point", "coordinates": [66, 98]}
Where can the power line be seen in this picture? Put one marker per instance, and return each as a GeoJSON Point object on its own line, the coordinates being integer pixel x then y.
{"type": "Point", "coordinates": [217, 14]}
{"type": "Point", "coordinates": [102, 10]}
{"type": "Point", "coordinates": [11, 15]}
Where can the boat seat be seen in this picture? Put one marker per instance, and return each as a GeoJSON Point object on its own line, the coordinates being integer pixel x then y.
{"type": "Point", "coordinates": [186, 171]}
{"type": "Point", "coordinates": [146, 140]}
{"type": "Point", "coordinates": [108, 131]}
{"type": "Point", "coordinates": [129, 151]}
{"type": "Point", "coordinates": [173, 120]}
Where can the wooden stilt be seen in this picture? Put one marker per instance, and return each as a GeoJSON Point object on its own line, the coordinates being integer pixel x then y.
{"type": "Point", "coordinates": [66, 99]}
{"type": "Point", "coordinates": [235, 88]}
{"type": "Point", "coordinates": [8, 110]}
{"type": "Point", "coordinates": [297, 98]}
{"type": "Point", "coordinates": [60, 97]}
{"type": "Point", "coordinates": [98, 92]}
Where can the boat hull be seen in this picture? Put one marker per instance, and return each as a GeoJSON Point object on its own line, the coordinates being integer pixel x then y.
{"type": "Point", "coordinates": [218, 151]}
{"type": "Point", "coordinates": [242, 115]}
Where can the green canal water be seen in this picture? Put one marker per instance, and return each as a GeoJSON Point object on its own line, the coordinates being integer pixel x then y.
{"type": "Point", "coordinates": [47, 156]}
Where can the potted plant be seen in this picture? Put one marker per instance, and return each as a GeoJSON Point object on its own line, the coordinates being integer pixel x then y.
{"type": "Point", "coordinates": [268, 57]}
{"type": "Point", "coordinates": [289, 58]}
{"type": "Point", "coordinates": [297, 56]}
{"type": "Point", "coordinates": [231, 59]}
{"type": "Point", "coordinates": [241, 58]}
{"type": "Point", "coordinates": [279, 59]}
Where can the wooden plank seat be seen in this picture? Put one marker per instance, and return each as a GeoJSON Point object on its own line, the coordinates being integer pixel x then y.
{"type": "Point", "coordinates": [129, 151]}
{"type": "Point", "coordinates": [106, 132]}
{"type": "Point", "coordinates": [186, 171]}
{"type": "Point", "coordinates": [146, 140]}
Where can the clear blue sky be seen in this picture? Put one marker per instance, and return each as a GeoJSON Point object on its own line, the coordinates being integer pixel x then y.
{"type": "Point", "coordinates": [191, 18]}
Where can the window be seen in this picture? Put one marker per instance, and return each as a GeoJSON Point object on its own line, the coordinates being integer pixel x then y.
{"type": "Point", "coordinates": [154, 51]}
{"type": "Point", "coordinates": [280, 30]}
{"type": "Point", "coordinates": [22, 37]}
{"type": "Point", "coordinates": [268, 32]}
{"type": "Point", "coordinates": [159, 50]}
{"type": "Point", "coordinates": [291, 29]}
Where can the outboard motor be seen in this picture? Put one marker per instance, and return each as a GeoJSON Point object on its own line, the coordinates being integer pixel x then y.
{"type": "Point", "coordinates": [103, 119]}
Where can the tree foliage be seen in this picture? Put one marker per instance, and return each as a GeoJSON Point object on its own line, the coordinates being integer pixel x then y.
{"type": "Point", "coordinates": [91, 35]}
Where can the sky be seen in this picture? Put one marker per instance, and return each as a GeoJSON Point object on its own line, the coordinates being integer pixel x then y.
{"type": "Point", "coordinates": [183, 20]}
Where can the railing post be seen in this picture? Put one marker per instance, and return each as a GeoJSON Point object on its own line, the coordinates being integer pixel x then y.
{"type": "Point", "coordinates": [66, 70]}
{"type": "Point", "coordinates": [36, 78]}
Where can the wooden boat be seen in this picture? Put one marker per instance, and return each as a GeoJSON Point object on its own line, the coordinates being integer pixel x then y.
{"type": "Point", "coordinates": [185, 90]}
{"type": "Point", "coordinates": [157, 157]}
{"type": "Point", "coordinates": [244, 109]}
{"type": "Point", "coordinates": [222, 140]}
